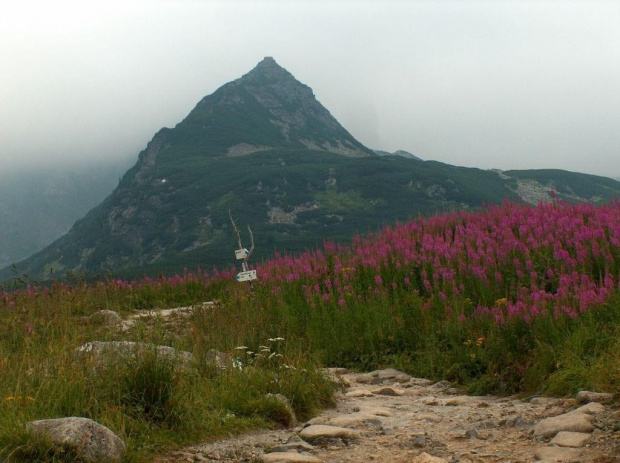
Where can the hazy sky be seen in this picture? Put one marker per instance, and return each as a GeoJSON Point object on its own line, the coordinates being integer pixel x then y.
{"type": "Point", "coordinates": [490, 84]}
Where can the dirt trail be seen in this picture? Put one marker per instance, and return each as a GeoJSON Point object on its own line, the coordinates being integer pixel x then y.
{"type": "Point", "coordinates": [388, 416]}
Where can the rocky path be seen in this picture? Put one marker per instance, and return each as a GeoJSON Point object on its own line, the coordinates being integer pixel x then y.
{"type": "Point", "coordinates": [388, 416]}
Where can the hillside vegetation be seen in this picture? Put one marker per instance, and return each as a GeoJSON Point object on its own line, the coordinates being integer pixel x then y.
{"type": "Point", "coordinates": [510, 299]}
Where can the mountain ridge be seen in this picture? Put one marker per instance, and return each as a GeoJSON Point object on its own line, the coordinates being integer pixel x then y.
{"type": "Point", "coordinates": [265, 149]}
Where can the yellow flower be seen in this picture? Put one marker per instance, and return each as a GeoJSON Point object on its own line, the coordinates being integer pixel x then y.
{"type": "Point", "coordinates": [19, 398]}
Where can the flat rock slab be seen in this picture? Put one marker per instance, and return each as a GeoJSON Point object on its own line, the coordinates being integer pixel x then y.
{"type": "Point", "coordinates": [426, 458]}
{"type": "Point", "coordinates": [558, 454]}
{"type": "Point", "coordinates": [575, 422]}
{"type": "Point", "coordinates": [320, 430]}
{"type": "Point", "coordinates": [570, 439]}
{"type": "Point", "coordinates": [92, 441]}
{"type": "Point", "coordinates": [353, 419]}
{"type": "Point", "coordinates": [289, 457]}
{"type": "Point", "coordinates": [588, 396]}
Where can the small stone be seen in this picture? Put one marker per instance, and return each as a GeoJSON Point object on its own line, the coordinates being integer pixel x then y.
{"type": "Point", "coordinates": [428, 417]}
{"type": "Point", "coordinates": [426, 458]}
{"type": "Point", "coordinates": [387, 391]}
{"type": "Point", "coordinates": [419, 441]}
{"type": "Point", "coordinates": [294, 443]}
{"type": "Point", "coordinates": [359, 393]}
{"type": "Point", "coordinates": [431, 401]}
{"type": "Point", "coordinates": [570, 439]}
{"type": "Point", "coordinates": [471, 434]}
{"type": "Point", "coordinates": [422, 382]}
{"type": "Point", "coordinates": [105, 317]}
{"type": "Point", "coordinates": [441, 385]}
{"type": "Point", "coordinates": [363, 378]}
{"type": "Point", "coordinates": [600, 397]}
{"type": "Point", "coordinates": [289, 457]}
{"type": "Point", "coordinates": [317, 431]}
{"type": "Point", "coordinates": [456, 401]}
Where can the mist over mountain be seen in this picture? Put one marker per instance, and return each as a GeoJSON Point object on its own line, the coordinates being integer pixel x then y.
{"type": "Point", "coordinates": [263, 148]}
{"type": "Point", "coordinates": [39, 205]}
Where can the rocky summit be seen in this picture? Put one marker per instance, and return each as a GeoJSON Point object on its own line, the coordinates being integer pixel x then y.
{"type": "Point", "coordinates": [263, 148]}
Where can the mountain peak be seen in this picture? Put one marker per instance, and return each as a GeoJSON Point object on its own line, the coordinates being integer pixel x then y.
{"type": "Point", "coordinates": [268, 69]}
{"type": "Point", "coordinates": [267, 108]}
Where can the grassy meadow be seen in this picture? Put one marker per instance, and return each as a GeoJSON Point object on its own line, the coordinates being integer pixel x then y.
{"type": "Point", "coordinates": [511, 299]}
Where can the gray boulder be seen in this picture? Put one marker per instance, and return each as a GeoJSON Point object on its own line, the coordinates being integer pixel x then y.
{"type": "Point", "coordinates": [92, 441]}
{"type": "Point", "coordinates": [103, 352]}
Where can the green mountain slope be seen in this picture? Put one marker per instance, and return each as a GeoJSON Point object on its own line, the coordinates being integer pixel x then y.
{"type": "Point", "coordinates": [264, 148]}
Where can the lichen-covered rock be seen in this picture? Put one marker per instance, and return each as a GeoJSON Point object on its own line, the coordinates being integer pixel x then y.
{"type": "Point", "coordinates": [92, 441]}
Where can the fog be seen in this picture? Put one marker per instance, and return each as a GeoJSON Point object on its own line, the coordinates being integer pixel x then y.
{"type": "Point", "coordinates": [489, 84]}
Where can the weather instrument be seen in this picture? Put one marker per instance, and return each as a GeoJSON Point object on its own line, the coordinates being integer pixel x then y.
{"type": "Point", "coordinates": [243, 254]}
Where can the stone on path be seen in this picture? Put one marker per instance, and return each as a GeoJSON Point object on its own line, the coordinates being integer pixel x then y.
{"type": "Point", "coordinates": [570, 439]}
{"type": "Point", "coordinates": [600, 397]}
{"type": "Point", "coordinates": [91, 441]}
{"type": "Point", "coordinates": [353, 419]}
{"type": "Point", "coordinates": [289, 457]}
{"type": "Point", "coordinates": [318, 431]}
{"type": "Point", "coordinates": [591, 408]}
{"type": "Point", "coordinates": [359, 393]}
{"type": "Point", "coordinates": [558, 454]}
{"type": "Point", "coordinates": [426, 458]}
{"type": "Point", "coordinates": [575, 422]}
{"type": "Point", "coordinates": [388, 391]}
{"type": "Point", "coordinates": [294, 443]}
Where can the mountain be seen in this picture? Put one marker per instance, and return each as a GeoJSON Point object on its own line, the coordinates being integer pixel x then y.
{"type": "Point", "coordinates": [37, 205]}
{"type": "Point", "coordinates": [263, 148]}
{"type": "Point", "coordinates": [401, 153]}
